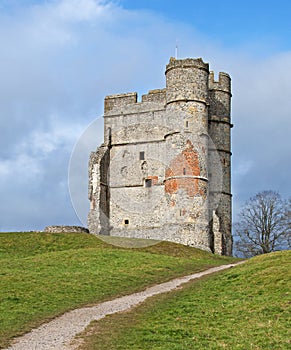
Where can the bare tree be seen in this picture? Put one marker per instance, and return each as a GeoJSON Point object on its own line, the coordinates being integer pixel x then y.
{"type": "Point", "coordinates": [264, 225]}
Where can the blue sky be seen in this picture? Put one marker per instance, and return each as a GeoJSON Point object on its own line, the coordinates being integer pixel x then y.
{"type": "Point", "coordinates": [59, 58]}
{"type": "Point", "coordinates": [230, 23]}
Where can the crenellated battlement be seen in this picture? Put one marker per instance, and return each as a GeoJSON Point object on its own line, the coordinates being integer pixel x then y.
{"type": "Point", "coordinates": [119, 100]}
{"type": "Point", "coordinates": [223, 83]}
{"type": "Point", "coordinates": [187, 63]}
{"type": "Point", "coordinates": [157, 95]}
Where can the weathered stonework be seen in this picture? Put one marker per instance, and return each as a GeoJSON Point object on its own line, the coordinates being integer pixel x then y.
{"type": "Point", "coordinates": [61, 229]}
{"type": "Point", "coordinates": [163, 171]}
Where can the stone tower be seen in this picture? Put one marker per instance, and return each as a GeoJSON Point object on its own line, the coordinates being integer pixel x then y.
{"type": "Point", "coordinates": [163, 171]}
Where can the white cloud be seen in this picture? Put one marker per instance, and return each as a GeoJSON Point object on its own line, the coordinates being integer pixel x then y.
{"type": "Point", "coordinates": [57, 135]}
{"type": "Point", "coordinates": [20, 168]}
{"type": "Point", "coordinates": [28, 160]}
{"type": "Point", "coordinates": [243, 168]}
{"type": "Point", "coordinates": [81, 10]}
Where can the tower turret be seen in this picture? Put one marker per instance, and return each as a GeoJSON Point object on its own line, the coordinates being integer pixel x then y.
{"type": "Point", "coordinates": [187, 102]}
{"type": "Point", "coordinates": [187, 80]}
{"type": "Point", "coordinates": [219, 131]}
{"type": "Point", "coordinates": [186, 178]}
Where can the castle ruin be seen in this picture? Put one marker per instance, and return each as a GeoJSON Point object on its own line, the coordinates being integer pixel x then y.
{"type": "Point", "coordinates": [164, 169]}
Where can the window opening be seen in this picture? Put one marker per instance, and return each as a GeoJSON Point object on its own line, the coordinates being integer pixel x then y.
{"type": "Point", "coordinates": [187, 123]}
{"type": "Point", "coordinates": [109, 135]}
{"type": "Point", "coordinates": [148, 182]}
{"type": "Point", "coordinates": [184, 171]}
{"type": "Point", "coordinates": [141, 155]}
{"type": "Point", "coordinates": [126, 222]}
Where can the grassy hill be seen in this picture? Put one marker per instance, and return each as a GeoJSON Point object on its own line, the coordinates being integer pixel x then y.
{"type": "Point", "coordinates": [43, 275]}
{"type": "Point", "coordinates": [246, 307]}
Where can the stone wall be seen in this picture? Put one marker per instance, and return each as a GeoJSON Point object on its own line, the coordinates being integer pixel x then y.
{"type": "Point", "coordinates": [60, 229]}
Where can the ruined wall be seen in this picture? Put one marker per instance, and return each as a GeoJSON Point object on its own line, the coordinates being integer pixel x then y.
{"type": "Point", "coordinates": [158, 174]}
{"type": "Point", "coordinates": [99, 193]}
{"type": "Point", "coordinates": [66, 229]}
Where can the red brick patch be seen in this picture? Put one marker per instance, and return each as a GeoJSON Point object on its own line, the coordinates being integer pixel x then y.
{"type": "Point", "coordinates": [183, 165]}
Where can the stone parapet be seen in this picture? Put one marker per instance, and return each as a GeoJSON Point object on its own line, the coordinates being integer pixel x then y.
{"type": "Point", "coordinates": [158, 95]}
{"type": "Point", "coordinates": [223, 83]}
{"type": "Point", "coordinates": [119, 100]}
{"type": "Point", "coordinates": [187, 63]}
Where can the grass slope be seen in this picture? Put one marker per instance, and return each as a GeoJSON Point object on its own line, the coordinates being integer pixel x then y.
{"type": "Point", "coordinates": [43, 275]}
{"type": "Point", "coordinates": [247, 307]}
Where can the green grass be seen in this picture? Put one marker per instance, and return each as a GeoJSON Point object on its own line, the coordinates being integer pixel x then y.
{"type": "Point", "coordinates": [43, 275]}
{"type": "Point", "coordinates": [246, 307]}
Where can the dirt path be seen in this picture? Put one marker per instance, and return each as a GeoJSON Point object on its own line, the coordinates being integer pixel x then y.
{"type": "Point", "coordinates": [59, 333]}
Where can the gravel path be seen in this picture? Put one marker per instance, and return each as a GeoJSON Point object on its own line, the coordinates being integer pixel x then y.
{"type": "Point", "coordinates": [59, 333]}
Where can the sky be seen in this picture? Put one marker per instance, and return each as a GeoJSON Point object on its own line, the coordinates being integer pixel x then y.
{"type": "Point", "coordinates": [60, 58]}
